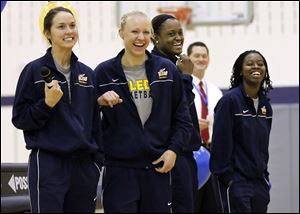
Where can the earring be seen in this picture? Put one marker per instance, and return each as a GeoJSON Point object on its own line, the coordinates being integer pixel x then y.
{"type": "Point", "coordinates": [156, 41]}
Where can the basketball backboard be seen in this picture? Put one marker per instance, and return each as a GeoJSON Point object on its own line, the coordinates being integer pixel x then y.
{"type": "Point", "coordinates": [203, 12]}
{"type": "Point", "coordinates": [221, 12]}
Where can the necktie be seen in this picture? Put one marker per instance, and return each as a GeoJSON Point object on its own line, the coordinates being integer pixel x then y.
{"type": "Point", "coordinates": [204, 112]}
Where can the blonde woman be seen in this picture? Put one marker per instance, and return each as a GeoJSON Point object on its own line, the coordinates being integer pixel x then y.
{"type": "Point", "coordinates": [145, 122]}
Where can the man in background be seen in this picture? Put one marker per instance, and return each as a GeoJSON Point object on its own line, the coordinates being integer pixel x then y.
{"type": "Point", "coordinates": [206, 97]}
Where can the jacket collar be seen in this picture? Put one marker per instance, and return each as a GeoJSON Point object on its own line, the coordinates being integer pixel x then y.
{"type": "Point", "coordinates": [260, 95]}
{"type": "Point", "coordinates": [117, 61]}
{"type": "Point", "coordinates": [158, 53]}
{"type": "Point", "coordinates": [122, 52]}
{"type": "Point", "coordinates": [50, 61]}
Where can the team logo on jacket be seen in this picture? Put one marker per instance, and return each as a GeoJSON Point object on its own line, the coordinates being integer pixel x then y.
{"type": "Point", "coordinates": [163, 73]}
{"type": "Point", "coordinates": [264, 110]}
{"type": "Point", "coordinates": [82, 79]}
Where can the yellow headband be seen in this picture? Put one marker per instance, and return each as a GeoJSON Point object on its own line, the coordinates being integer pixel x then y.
{"type": "Point", "coordinates": [50, 6]}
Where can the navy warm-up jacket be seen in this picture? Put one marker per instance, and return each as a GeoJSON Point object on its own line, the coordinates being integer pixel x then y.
{"type": "Point", "coordinates": [241, 137]}
{"type": "Point", "coordinates": [195, 141]}
{"type": "Point", "coordinates": [73, 125]}
{"type": "Point", "coordinates": [126, 141]}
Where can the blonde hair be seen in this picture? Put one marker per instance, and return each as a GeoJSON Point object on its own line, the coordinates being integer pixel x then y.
{"type": "Point", "coordinates": [126, 15]}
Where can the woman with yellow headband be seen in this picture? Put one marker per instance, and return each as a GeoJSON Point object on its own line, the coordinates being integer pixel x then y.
{"type": "Point", "coordinates": [60, 121]}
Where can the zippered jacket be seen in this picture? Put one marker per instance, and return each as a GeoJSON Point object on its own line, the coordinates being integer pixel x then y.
{"type": "Point", "coordinates": [195, 142]}
{"type": "Point", "coordinates": [240, 140]}
{"type": "Point", "coordinates": [70, 127]}
{"type": "Point", "coordinates": [126, 141]}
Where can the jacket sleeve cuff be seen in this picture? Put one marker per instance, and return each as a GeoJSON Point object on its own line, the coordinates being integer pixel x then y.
{"type": "Point", "coordinates": [43, 111]}
{"type": "Point", "coordinates": [175, 148]}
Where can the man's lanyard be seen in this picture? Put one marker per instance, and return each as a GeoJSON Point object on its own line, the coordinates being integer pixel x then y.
{"type": "Point", "coordinates": [203, 97]}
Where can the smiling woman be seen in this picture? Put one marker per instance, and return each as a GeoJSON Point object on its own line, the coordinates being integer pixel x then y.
{"type": "Point", "coordinates": [65, 150]}
{"type": "Point", "coordinates": [243, 120]}
{"type": "Point", "coordinates": [168, 40]}
{"type": "Point", "coordinates": [142, 137]}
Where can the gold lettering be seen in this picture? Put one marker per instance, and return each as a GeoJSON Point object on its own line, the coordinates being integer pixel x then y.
{"type": "Point", "coordinates": [146, 85]}
{"type": "Point", "coordinates": [139, 85]}
{"type": "Point", "coordinates": [131, 87]}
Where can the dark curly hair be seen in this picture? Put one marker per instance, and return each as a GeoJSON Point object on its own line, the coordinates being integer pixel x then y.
{"type": "Point", "coordinates": [236, 78]}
